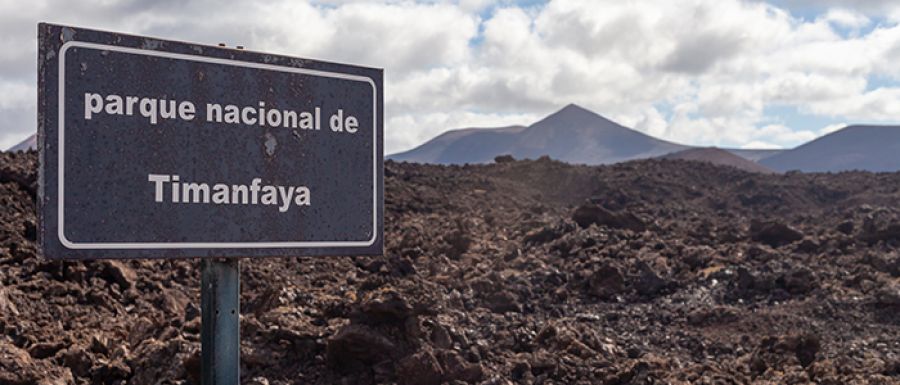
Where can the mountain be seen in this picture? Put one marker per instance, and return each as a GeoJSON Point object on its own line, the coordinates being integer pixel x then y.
{"type": "Point", "coordinates": [572, 134]}
{"type": "Point", "coordinates": [30, 143]}
{"type": "Point", "coordinates": [720, 157]}
{"type": "Point", "coordinates": [474, 145]}
{"type": "Point", "coordinates": [870, 148]}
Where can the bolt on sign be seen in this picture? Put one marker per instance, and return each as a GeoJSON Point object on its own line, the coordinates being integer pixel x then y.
{"type": "Point", "coordinates": [153, 148]}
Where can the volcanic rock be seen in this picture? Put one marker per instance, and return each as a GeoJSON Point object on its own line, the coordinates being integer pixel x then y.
{"type": "Point", "coordinates": [457, 368]}
{"type": "Point", "coordinates": [774, 233]}
{"type": "Point", "coordinates": [504, 159]}
{"type": "Point", "coordinates": [78, 360]}
{"type": "Point", "coordinates": [648, 282]}
{"type": "Point", "coordinates": [888, 233]}
{"type": "Point", "coordinates": [6, 305]}
{"type": "Point", "coordinates": [17, 368]}
{"type": "Point", "coordinates": [118, 272]}
{"type": "Point", "coordinates": [487, 279]}
{"type": "Point", "coordinates": [458, 242]}
{"type": "Point", "coordinates": [607, 281]}
{"type": "Point", "coordinates": [545, 234]}
{"type": "Point", "coordinates": [503, 301]}
{"type": "Point", "coordinates": [154, 359]}
{"type": "Point", "coordinates": [800, 280]}
{"type": "Point", "coordinates": [846, 227]}
{"type": "Point", "coordinates": [20, 169]}
{"type": "Point", "coordinates": [888, 296]}
{"type": "Point", "coordinates": [358, 345]}
{"type": "Point", "coordinates": [590, 214]}
{"type": "Point", "coordinates": [808, 245]}
{"type": "Point", "coordinates": [421, 368]}
{"type": "Point", "coordinates": [385, 306]}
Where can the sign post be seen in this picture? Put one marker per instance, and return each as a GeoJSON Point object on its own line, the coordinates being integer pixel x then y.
{"type": "Point", "coordinates": [220, 289]}
{"type": "Point", "coordinates": [153, 148]}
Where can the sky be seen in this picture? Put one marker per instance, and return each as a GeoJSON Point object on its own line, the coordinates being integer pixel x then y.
{"type": "Point", "coordinates": [730, 73]}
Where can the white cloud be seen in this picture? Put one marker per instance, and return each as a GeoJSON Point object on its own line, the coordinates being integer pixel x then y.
{"type": "Point", "coordinates": [714, 64]}
{"type": "Point", "coordinates": [846, 18]}
{"type": "Point", "coordinates": [651, 122]}
{"type": "Point", "coordinates": [831, 128]}
{"type": "Point", "coordinates": [16, 98]}
{"type": "Point", "coordinates": [781, 134]}
{"type": "Point", "coordinates": [475, 5]}
{"type": "Point", "coordinates": [881, 104]}
{"type": "Point", "coordinates": [867, 7]}
{"type": "Point", "coordinates": [760, 145]}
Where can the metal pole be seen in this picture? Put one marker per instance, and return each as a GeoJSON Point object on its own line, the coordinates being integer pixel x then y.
{"type": "Point", "coordinates": [220, 309]}
{"type": "Point", "coordinates": [220, 339]}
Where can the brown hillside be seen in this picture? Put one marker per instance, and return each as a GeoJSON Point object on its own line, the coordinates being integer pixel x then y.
{"type": "Point", "coordinates": [720, 157]}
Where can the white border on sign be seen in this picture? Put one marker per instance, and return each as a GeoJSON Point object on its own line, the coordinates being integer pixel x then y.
{"type": "Point", "coordinates": [210, 245]}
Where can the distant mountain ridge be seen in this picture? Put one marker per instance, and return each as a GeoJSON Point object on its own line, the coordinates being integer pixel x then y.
{"type": "Point", "coordinates": [869, 148]}
{"type": "Point", "coordinates": [480, 144]}
{"type": "Point", "coordinates": [721, 157]}
{"type": "Point", "coordinates": [576, 135]}
{"type": "Point", "coordinates": [572, 134]}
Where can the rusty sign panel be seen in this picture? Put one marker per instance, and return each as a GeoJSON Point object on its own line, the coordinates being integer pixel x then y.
{"type": "Point", "coordinates": [153, 148]}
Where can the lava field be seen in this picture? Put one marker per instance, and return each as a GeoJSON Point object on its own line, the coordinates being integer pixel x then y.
{"type": "Point", "coordinates": [517, 272]}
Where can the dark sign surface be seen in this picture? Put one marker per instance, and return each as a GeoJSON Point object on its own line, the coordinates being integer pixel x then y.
{"type": "Point", "coordinates": [154, 148]}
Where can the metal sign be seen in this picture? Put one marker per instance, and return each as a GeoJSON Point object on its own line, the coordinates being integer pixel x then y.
{"type": "Point", "coordinates": [155, 148]}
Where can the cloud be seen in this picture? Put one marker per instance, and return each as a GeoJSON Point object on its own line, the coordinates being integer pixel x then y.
{"type": "Point", "coordinates": [17, 99]}
{"type": "Point", "coordinates": [699, 54]}
{"type": "Point", "coordinates": [475, 5]}
{"type": "Point", "coordinates": [781, 134]}
{"type": "Point", "coordinates": [651, 122]}
{"type": "Point", "coordinates": [760, 145]}
{"type": "Point", "coordinates": [846, 18]}
{"type": "Point", "coordinates": [405, 38]}
{"type": "Point", "coordinates": [831, 128]}
{"type": "Point", "coordinates": [699, 72]}
{"type": "Point", "coordinates": [868, 7]}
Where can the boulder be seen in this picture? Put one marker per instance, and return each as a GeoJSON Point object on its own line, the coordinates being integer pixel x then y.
{"type": "Point", "coordinates": [846, 227]}
{"type": "Point", "coordinates": [385, 306]}
{"type": "Point", "coordinates": [649, 283]}
{"type": "Point", "coordinates": [606, 282]}
{"type": "Point", "coordinates": [774, 233]}
{"type": "Point", "coordinates": [18, 368]}
{"type": "Point", "coordinates": [592, 214]}
{"type": "Point", "coordinates": [118, 272]}
{"type": "Point", "coordinates": [502, 302]}
{"type": "Point", "coordinates": [357, 345]}
{"type": "Point", "coordinates": [504, 159]}
{"type": "Point", "coordinates": [421, 368]}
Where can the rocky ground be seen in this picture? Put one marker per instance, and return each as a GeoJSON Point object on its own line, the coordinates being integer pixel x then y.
{"type": "Point", "coordinates": [520, 272]}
